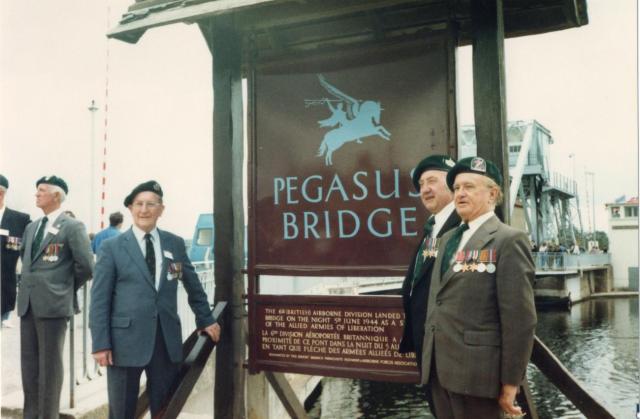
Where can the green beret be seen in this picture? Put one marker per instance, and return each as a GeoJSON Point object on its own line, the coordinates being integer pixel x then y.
{"type": "Point", "coordinates": [434, 162]}
{"type": "Point", "coordinates": [150, 186]}
{"type": "Point", "coordinates": [4, 182]}
{"type": "Point", "coordinates": [474, 165]}
{"type": "Point", "coordinates": [53, 180]}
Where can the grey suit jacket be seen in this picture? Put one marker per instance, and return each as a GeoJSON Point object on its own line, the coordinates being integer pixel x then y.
{"type": "Point", "coordinates": [48, 286]}
{"type": "Point", "coordinates": [480, 326]}
{"type": "Point", "coordinates": [125, 305]}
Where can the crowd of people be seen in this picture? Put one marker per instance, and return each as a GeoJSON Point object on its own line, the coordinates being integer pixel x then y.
{"type": "Point", "coordinates": [467, 295]}
{"type": "Point", "coordinates": [132, 312]}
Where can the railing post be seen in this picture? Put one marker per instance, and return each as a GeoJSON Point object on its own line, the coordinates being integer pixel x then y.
{"type": "Point", "coordinates": [72, 370]}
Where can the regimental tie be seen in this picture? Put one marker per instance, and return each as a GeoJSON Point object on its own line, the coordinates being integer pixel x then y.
{"type": "Point", "coordinates": [37, 240]}
{"type": "Point", "coordinates": [150, 257]}
{"type": "Point", "coordinates": [452, 246]}
{"type": "Point", "coordinates": [420, 258]}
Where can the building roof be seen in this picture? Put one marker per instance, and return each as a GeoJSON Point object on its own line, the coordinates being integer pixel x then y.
{"type": "Point", "coordinates": [299, 25]}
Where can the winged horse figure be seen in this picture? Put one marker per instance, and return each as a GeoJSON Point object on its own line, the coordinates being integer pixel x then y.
{"type": "Point", "coordinates": [360, 119]}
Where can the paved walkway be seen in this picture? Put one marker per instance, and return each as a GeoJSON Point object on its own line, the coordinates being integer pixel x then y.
{"type": "Point", "coordinates": [90, 395]}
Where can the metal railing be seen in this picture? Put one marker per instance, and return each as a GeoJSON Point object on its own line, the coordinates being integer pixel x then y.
{"type": "Point", "coordinates": [558, 261]}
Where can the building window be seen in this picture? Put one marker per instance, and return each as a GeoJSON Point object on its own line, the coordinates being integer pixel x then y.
{"type": "Point", "coordinates": [630, 211]}
{"type": "Point", "coordinates": [615, 212]}
{"type": "Point", "coordinates": [514, 148]}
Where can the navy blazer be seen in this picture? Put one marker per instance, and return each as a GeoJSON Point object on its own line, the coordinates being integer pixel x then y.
{"type": "Point", "coordinates": [125, 305]}
{"type": "Point", "coordinates": [14, 222]}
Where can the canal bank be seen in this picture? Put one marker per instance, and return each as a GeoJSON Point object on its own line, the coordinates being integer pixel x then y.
{"type": "Point", "coordinates": [597, 341]}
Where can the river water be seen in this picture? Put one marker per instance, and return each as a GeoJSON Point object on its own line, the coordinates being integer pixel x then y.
{"type": "Point", "coordinates": [596, 340]}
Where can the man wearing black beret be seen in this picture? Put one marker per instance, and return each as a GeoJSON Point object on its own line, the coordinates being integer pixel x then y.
{"type": "Point", "coordinates": [429, 178]}
{"type": "Point", "coordinates": [56, 261]}
{"type": "Point", "coordinates": [133, 316]}
{"type": "Point", "coordinates": [12, 225]}
{"type": "Point", "coordinates": [481, 315]}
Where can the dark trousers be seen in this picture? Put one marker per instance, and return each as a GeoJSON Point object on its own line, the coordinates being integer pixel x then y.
{"type": "Point", "coordinates": [42, 344]}
{"type": "Point", "coordinates": [123, 383]}
{"type": "Point", "coordinates": [450, 405]}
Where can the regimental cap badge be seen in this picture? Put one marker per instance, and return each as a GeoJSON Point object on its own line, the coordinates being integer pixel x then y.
{"type": "Point", "coordinates": [156, 187]}
{"type": "Point", "coordinates": [449, 162]}
{"type": "Point", "coordinates": [478, 164]}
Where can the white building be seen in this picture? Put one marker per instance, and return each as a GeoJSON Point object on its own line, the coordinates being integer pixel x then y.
{"type": "Point", "coordinates": [623, 242]}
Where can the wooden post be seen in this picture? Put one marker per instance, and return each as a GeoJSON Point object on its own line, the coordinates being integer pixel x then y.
{"type": "Point", "coordinates": [225, 46]}
{"type": "Point", "coordinates": [489, 90]}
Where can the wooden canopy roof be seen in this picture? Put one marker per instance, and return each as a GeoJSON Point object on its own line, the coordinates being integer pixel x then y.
{"type": "Point", "coordinates": [285, 26]}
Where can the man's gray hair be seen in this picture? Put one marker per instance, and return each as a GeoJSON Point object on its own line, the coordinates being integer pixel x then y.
{"type": "Point", "coordinates": [57, 189]}
{"type": "Point", "coordinates": [3, 189]}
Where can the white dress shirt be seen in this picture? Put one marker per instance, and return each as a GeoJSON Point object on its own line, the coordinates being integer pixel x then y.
{"type": "Point", "coordinates": [441, 218]}
{"type": "Point", "coordinates": [473, 227]}
{"type": "Point", "coordinates": [155, 239]}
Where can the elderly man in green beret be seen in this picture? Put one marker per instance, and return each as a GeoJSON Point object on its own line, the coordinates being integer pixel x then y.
{"type": "Point", "coordinates": [430, 180]}
{"type": "Point", "coordinates": [56, 261]}
{"type": "Point", "coordinates": [133, 317]}
{"type": "Point", "coordinates": [481, 315]}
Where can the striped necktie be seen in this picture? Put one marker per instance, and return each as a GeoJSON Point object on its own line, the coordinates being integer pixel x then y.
{"type": "Point", "coordinates": [452, 246]}
{"type": "Point", "coordinates": [37, 241]}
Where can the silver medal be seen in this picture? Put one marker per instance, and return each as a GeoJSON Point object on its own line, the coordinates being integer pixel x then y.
{"type": "Point", "coordinates": [491, 268]}
{"type": "Point", "coordinates": [481, 267]}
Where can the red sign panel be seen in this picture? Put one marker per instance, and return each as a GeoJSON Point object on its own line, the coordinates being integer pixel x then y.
{"type": "Point", "coordinates": [333, 336]}
{"type": "Point", "coordinates": [333, 149]}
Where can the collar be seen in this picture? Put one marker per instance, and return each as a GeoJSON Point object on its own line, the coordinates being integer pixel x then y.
{"type": "Point", "coordinates": [442, 217]}
{"type": "Point", "coordinates": [52, 216]}
{"type": "Point", "coordinates": [139, 233]}
{"type": "Point", "coordinates": [476, 223]}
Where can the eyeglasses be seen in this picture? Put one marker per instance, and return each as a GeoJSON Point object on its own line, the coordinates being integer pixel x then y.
{"type": "Point", "coordinates": [150, 205]}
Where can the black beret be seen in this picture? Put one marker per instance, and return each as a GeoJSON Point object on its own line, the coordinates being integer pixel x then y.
{"type": "Point", "coordinates": [150, 186]}
{"type": "Point", "coordinates": [434, 162]}
{"type": "Point", "coordinates": [4, 182]}
{"type": "Point", "coordinates": [53, 180]}
{"type": "Point", "coordinates": [474, 165]}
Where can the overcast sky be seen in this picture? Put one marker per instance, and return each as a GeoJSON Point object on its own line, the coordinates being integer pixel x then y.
{"type": "Point", "coordinates": [581, 84]}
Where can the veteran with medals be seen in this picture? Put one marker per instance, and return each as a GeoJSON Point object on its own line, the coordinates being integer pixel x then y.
{"type": "Point", "coordinates": [133, 316]}
{"type": "Point", "coordinates": [481, 315]}
{"type": "Point", "coordinates": [56, 261]}
{"type": "Point", "coordinates": [12, 225]}
{"type": "Point", "coordinates": [429, 178]}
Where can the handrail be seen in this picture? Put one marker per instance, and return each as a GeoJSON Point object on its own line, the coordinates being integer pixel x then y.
{"type": "Point", "coordinates": [196, 350]}
{"type": "Point", "coordinates": [559, 376]}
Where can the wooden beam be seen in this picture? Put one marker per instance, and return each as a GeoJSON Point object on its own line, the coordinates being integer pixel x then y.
{"type": "Point", "coordinates": [286, 395]}
{"type": "Point", "coordinates": [224, 44]}
{"type": "Point", "coordinates": [489, 90]}
{"type": "Point", "coordinates": [559, 376]}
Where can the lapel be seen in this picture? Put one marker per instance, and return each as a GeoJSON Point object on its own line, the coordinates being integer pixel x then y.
{"type": "Point", "coordinates": [452, 222]}
{"type": "Point", "coordinates": [480, 238]}
{"type": "Point", "coordinates": [133, 250]}
{"type": "Point", "coordinates": [58, 223]}
{"type": "Point", "coordinates": [165, 248]}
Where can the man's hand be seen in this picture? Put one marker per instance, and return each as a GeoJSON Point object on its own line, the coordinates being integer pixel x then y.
{"type": "Point", "coordinates": [506, 399]}
{"type": "Point", "coordinates": [103, 358]}
{"type": "Point", "coordinates": [213, 331]}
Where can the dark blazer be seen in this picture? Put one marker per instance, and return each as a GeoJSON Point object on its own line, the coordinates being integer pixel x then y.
{"type": "Point", "coordinates": [14, 222]}
{"type": "Point", "coordinates": [125, 305]}
{"type": "Point", "coordinates": [49, 286]}
{"type": "Point", "coordinates": [415, 300]}
{"type": "Point", "coordinates": [481, 324]}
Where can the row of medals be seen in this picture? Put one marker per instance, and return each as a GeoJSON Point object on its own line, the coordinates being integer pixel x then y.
{"type": "Point", "coordinates": [475, 261]}
{"type": "Point", "coordinates": [13, 243]}
{"type": "Point", "coordinates": [51, 252]}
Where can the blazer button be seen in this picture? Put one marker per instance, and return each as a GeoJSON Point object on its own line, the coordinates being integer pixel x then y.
{"type": "Point", "coordinates": [439, 302]}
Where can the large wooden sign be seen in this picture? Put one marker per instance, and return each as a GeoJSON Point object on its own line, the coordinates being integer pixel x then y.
{"type": "Point", "coordinates": [334, 140]}
{"type": "Point", "coordinates": [334, 146]}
